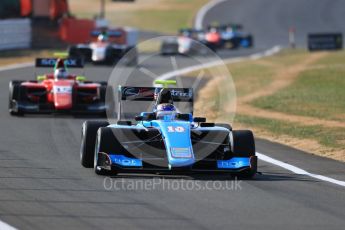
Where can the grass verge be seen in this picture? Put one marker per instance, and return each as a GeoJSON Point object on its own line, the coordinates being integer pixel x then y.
{"type": "Point", "coordinates": [295, 98]}
{"type": "Point", "coordinates": [317, 92]}
{"type": "Point", "coordinates": [165, 16]}
{"type": "Point", "coordinates": [315, 139]}
{"type": "Point", "coordinates": [11, 57]}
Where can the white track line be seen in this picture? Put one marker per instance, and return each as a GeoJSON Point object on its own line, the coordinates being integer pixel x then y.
{"type": "Point", "coordinates": [198, 24]}
{"type": "Point", "coordinates": [4, 226]}
{"type": "Point", "coordinates": [189, 69]}
{"type": "Point", "coordinates": [261, 156]}
{"type": "Point", "coordinates": [297, 170]}
{"type": "Point", "coordinates": [199, 19]}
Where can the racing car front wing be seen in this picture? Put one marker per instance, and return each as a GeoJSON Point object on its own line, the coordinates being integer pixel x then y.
{"type": "Point", "coordinates": [121, 163]}
{"type": "Point", "coordinates": [35, 108]}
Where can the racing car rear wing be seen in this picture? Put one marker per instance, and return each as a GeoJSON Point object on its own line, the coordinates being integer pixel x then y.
{"type": "Point", "coordinates": [130, 93]}
{"type": "Point", "coordinates": [224, 26]}
{"type": "Point", "coordinates": [110, 33]}
{"type": "Point", "coordinates": [51, 62]}
{"type": "Point", "coordinates": [147, 93]}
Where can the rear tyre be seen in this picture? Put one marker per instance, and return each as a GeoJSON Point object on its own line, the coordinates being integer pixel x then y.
{"type": "Point", "coordinates": [107, 96]}
{"type": "Point", "coordinates": [104, 142]}
{"type": "Point", "coordinates": [88, 139]}
{"type": "Point", "coordinates": [244, 146]}
{"type": "Point", "coordinates": [250, 41]}
{"type": "Point", "coordinates": [73, 52]}
{"type": "Point", "coordinates": [14, 97]}
{"type": "Point", "coordinates": [111, 56]}
{"type": "Point", "coordinates": [131, 57]}
{"type": "Point", "coordinates": [236, 43]}
{"type": "Point", "coordinates": [80, 53]}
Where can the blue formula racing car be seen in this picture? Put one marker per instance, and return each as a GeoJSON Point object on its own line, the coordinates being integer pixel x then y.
{"type": "Point", "coordinates": [165, 140]}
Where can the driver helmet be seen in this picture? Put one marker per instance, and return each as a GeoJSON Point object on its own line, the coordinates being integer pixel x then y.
{"type": "Point", "coordinates": [102, 38]}
{"type": "Point", "coordinates": [229, 29]}
{"type": "Point", "coordinates": [213, 30]}
{"type": "Point", "coordinates": [165, 109]}
{"type": "Point", "coordinates": [60, 73]}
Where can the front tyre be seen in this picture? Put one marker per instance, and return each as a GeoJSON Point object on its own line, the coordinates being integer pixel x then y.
{"type": "Point", "coordinates": [243, 145]}
{"type": "Point", "coordinates": [14, 97]}
{"type": "Point", "coordinates": [88, 139]}
{"type": "Point", "coordinates": [103, 146]}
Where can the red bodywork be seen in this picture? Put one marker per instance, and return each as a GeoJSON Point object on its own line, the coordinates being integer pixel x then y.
{"type": "Point", "coordinates": [213, 37]}
{"type": "Point", "coordinates": [60, 92]}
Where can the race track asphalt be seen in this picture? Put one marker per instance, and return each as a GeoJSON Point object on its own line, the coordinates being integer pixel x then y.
{"type": "Point", "coordinates": [43, 185]}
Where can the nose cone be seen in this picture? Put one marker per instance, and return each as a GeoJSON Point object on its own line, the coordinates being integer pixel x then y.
{"type": "Point", "coordinates": [178, 143]}
{"type": "Point", "coordinates": [99, 53]}
{"type": "Point", "coordinates": [63, 101]}
{"type": "Point", "coordinates": [62, 95]}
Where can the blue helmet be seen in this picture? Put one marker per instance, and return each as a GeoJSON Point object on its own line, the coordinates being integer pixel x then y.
{"type": "Point", "coordinates": [165, 111]}
{"type": "Point", "coordinates": [166, 107]}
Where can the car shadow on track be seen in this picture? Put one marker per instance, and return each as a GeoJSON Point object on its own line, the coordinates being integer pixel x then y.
{"type": "Point", "coordinates": [267, 176]}
{"type": "Point", "coordinates": [216, 177]}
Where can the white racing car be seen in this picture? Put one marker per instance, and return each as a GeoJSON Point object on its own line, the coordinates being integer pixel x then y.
{"type": "Point", "coordinates": [110, 47]}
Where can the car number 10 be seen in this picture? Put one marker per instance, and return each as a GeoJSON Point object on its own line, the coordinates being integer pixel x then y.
{"type": "Point", "coordinates": [178, 129]}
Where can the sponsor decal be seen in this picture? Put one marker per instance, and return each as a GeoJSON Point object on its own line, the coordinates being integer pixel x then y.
{"type": "Point", "coordinates": [150, 94]}
{"type": "Point", "coordinates": [137, 93]}
{"type": "Point", "coordinates": [125, 161]}
{"type": "Point", "coordinates": [234, 163]}
{"type": "Point", "coordinates": [128, 92]}
{"type": "Point", "coordinates": [71, 62]}
{"type": "Point", "coordinates": [181, 152]}
{"type": "Point", "coordinates": [50, 62]}
{"type": "Point", "coordinates": [181, 93]}
{"type": "Point", "coordinates": [62, 89]}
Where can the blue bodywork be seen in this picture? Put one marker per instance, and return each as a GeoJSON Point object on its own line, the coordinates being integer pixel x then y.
{"type": "Point", "coordinates": [178, 144]}
{"type": "Point", "coordinates": [232, 35]}
{"type": "Point", "coordinates": [177, 141]}
{"type": "Point", "coordinates": [234, 163]}
{"type": "Point", "coordinates": [122, 160]}
{"type": "Point", "coordinates": [170, 140]}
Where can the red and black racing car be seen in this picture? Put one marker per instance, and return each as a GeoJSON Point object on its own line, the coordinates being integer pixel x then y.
{"type": "Point", "coordinates": [59, 92]}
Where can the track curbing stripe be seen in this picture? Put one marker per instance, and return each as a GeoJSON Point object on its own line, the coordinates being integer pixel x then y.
{"type": "Point", "coordinates": [297, 170]}
{"type": "Point", "coordinates": [199, 19]}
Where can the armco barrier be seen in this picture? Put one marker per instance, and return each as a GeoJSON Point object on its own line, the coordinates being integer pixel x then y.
{"type": "Point", "coordinates": [15, 33]}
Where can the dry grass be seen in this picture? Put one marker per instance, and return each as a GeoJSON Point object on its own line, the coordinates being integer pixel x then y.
{"type": "Point", "coordinates": [266, 78]}
{"type": "Point", "coordinates": [165, 16]}
{"type": "Point", "coordinates": [22, 56]}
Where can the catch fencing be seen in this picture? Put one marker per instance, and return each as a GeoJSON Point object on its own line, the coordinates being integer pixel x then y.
{"type": "Point", "coordinates": [15, 34]}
